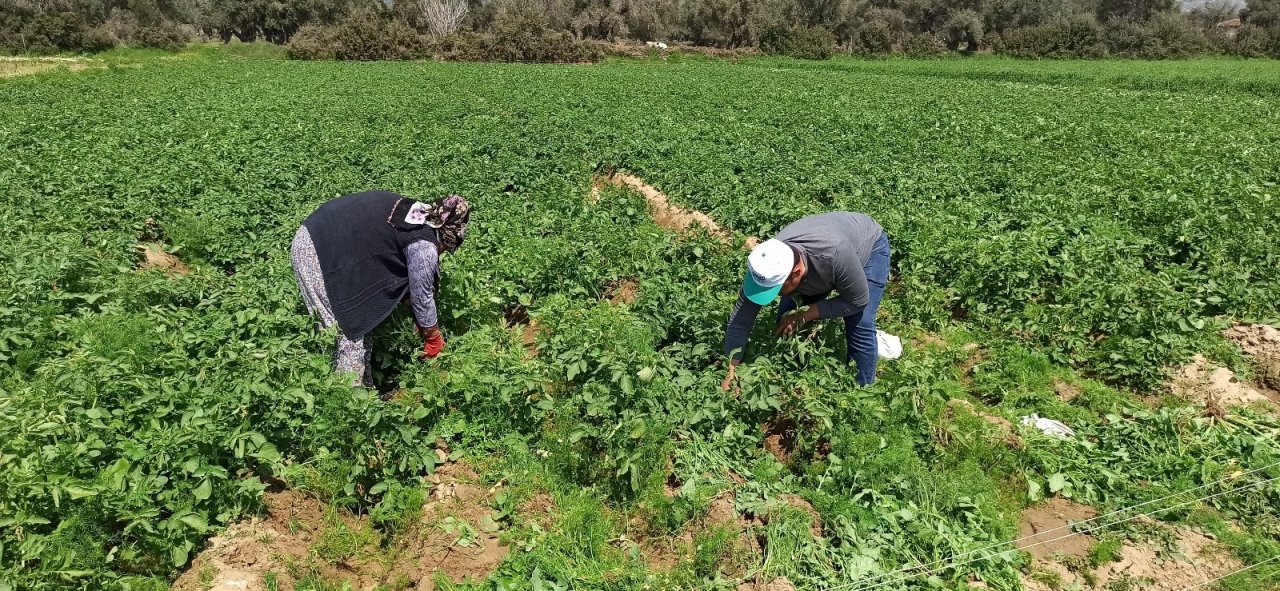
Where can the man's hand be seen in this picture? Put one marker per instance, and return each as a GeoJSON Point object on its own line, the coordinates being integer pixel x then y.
{"type": "Point", "coordinates": [790, 324]}
{"type": "Point", "coordinates": [432, 341]}
{"type": "Point", "coordinates": [729, 380]}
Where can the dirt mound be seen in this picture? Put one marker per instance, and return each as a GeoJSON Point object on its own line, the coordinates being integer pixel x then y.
{"type": "Point", "coordinates": [623, 291]}
{"type": "Point", "coordinates": [1066, 391]}
{"type": "Point", "coordinates": [1003, 426]}
{"type": "Point", "coordinates": [666, 552]}
{"type": "Point", "coordinates": [529, 337]}
{"type": "Point", "coordinates": [239, 558]}
{"type": "Point", "coordinates": [815, 518]}
{"type": "Point", "coordinates": [929, 341]}
{"type": "Point", "coordinates": [722, 511]}
{"type": "Point", "coordinates": [1043, 525]}
{"type": "Point", "coordinates": [665, 213]}
{"type": "Point", "coordinates": [1262, 343]}
{"type": "Point", "coordinates": [778, 584]}
{"type": "Point", "coordinates": [780, 438]}
{"type": "Point", "coordinates": [154, 257]}
{"type": "Point", "coordinates": [1194, 559]}
{"type": "Point", "coordinates": [539, 508]}
{"type": "Point", "coordinates": [454, 537]}
{"type": "Point", "coordinates": [975, 355]}
{"type": "Point", "coordinates": [1213, 386]}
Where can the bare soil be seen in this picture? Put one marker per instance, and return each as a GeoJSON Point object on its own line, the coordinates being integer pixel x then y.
{"type": "Point", "coordinates": [1042, 526]}
{"type": "Point", "coordinates": [1203, 382]}
{"type": "Point", "coordinates": [778, 584]}
{"type": "Point", "coordinates": [1003, 426]}
{"type": "Point", "coordinates": [665, 213]}
{"type": "Point", "coordinates": [780, 438]}
{"type": "Point", "coordinates": [1196, 559]}
{"type": "Point", "coordinates": [1262, 343]}
{"type": "Point", "coordinates": [1066, 391]}
{"type": "Point", "coordinates": [929, 341]}
{"type": "Point", "coordinates": [449, 540]}
{"type": "Point", "coordinates": [815, 519]}
{"type": "Point", "coordinates": [623, 291]}
{"type": "Point", "coordinates": [154, 257]}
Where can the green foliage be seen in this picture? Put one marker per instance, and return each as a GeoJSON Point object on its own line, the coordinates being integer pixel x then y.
{"type": "Point", "coordinates": [1164, 37]}
{"type": "Point", "coordinates": [924, 45]}
{"type": "Point", "coordinates": [872, 38]}
{"type": "Point", "coordinates": [1078, 37]}
{"type": "Point", "coordinates": [811, 43]}
{"type": "Point", "coordinates": [964, 27]}
{"type": "Point", "coordinates": [1047, 211]}
{"type": "Point", "coordinates": [1105, 551]}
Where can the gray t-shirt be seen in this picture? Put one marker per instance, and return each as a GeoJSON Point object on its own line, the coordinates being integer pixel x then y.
{"type": "Point", "coordinates": [835, 247]}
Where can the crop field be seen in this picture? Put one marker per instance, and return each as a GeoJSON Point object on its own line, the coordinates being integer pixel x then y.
{"type": "Point", "coordinates": [1095, 243]}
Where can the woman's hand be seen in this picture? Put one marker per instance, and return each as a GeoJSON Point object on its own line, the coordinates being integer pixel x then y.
{"type": "Point", "coordinates": [432, 341]}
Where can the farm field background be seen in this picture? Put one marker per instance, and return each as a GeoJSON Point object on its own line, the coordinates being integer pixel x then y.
{"type": "Point", "coordinates": [1066, 235]}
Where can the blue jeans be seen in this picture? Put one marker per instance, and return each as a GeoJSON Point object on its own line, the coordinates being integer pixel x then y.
{"type": "Point", "coordinates": [860, 328]}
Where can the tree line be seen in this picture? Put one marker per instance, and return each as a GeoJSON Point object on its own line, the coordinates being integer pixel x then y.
{"type": "Point", "coordinates": [574, 30]}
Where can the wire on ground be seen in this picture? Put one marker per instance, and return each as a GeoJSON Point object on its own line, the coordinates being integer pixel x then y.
{"type": "Point", "coordinates": [881, 579]}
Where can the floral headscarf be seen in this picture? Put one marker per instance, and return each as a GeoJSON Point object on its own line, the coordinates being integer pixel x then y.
{"type": "Point", "coordinates": [448, 216]}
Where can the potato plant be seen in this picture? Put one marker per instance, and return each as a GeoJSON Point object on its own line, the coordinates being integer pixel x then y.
{"type": "Point", "coordinates": [1073, 222]}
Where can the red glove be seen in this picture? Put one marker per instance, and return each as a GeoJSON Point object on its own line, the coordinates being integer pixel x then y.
{"type": "Point", "coordinates": [432, 343]}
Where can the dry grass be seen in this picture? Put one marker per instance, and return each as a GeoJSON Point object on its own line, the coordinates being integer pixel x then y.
{"type": "Point", "coordinates": [12, 67]}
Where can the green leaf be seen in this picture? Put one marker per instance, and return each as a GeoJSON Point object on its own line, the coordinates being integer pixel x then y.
{"type": "Point", "coordinates": [203, 491]}
{"type": "Point", "coordinates": [488, 525]}
{"type": "Point", "coordinates": [1034, 491]}
{"type": "Point", "coordinates": [77, 492]}
{"type": "Point", "coordinates": [196, 521]}
{"type": "Point", "coordinates": [1057, 482]}
{"type": "Point", "coordinates": [178, 554]}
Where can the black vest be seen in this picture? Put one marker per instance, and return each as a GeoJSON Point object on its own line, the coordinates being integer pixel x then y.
{"type": "Point", "coordinates": [362, 257]}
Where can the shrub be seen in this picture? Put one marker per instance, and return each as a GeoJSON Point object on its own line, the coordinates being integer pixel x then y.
{"type": "Point", "coordinates": [872, 38]}
{"type": "Point", "coordinates": [600, 23]}
{"type": "Point", "coordinates": [98, 39]}
{"type": "Point", "coordinates": [1078, 37]}
{"type": "Point", "coordinates": [812, 43]}
{"type": "Point", "coordinates": [1167, 36]}
{"type": "Point", "coordinates": [1249, 41]}
{"type": "Point", "coordinates": [51, 32]}
{"type": "Point", "coordinates": [992, 40]}
{"type": "Point", "coordinates": [924, 45]}
{"type": "Point", "coordinates": [164, 35]}
{"type": "Point", "coordinates": [365, 37]}
{"type": "Point", "coordinates": [964, 28]}
{"type": "Point", "coordinates": [372, 36]}
{"type": "Point", "coordinates": [313, 43]}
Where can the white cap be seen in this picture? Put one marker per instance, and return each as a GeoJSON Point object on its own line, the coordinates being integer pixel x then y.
{"type": "Point", "coordinates": [768, 266]}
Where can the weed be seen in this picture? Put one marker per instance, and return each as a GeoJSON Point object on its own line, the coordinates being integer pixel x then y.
{"type": "Point", "coordinates": [1105, 550]}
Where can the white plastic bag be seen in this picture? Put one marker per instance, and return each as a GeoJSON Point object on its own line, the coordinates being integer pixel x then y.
{"type": "Point", "coordinates": [1048, 426]}
{"type": "Point", "coordinates": [889, 346]}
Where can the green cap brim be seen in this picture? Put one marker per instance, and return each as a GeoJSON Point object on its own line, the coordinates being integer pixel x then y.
{"type": "Point", "coordinates": [759, 294]}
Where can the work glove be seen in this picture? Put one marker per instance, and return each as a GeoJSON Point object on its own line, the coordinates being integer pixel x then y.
{"type": "Point", "coordinates": [432, 342]}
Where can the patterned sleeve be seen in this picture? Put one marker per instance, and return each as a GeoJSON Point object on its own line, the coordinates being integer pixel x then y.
{"type": "Point", "coordinates": [424, 265]}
